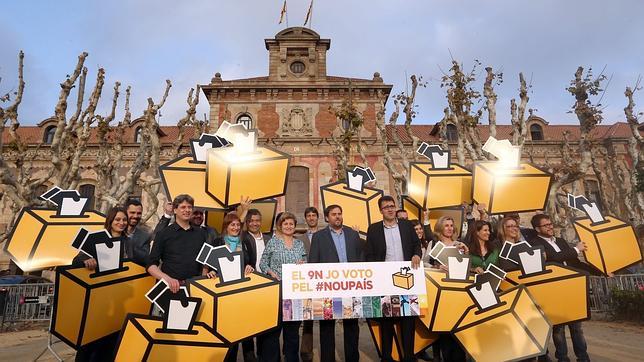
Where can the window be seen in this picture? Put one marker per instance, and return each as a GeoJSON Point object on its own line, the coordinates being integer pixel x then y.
{"type": "Point", "coordinates": [48, 137]}
{"type": "Point", "coordinates": [137, 135]}
{"type": "Point", "coordinates": [297, 67]}
{"type": "Point", "coordinates": [88, 191]}
{"type": "Point", "coordinates": [245, 120]}
{"type": "Point", "coordinates": [452, 133]}
{"type": "Point", "coordinates": [536, 132]}
{"type": "Point", "coordinates": [592, 192]}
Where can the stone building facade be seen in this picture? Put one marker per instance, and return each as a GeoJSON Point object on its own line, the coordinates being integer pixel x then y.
{"type": "Point", "coordinates": [292, 108]}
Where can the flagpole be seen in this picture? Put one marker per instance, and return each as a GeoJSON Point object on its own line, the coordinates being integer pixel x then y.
{"type": "Point", "coordinates": [286, 14]}
{"type": "Point", "coordinates": [311, 22]}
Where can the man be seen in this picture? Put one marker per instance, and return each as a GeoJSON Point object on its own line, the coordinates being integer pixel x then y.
{"type": "Point", "coordinates": [197, 219]}
{"type": "Point", "coordinates": [254, 228]}
{"type": "Point", "coordinates": [393, 240]}
{"type": "Point", "coordinates": [176, 247]}
{"type": "Point", "coordinates": [337, 244]}
{"type": "Point", "coordinates": [559, 251]}
{"type": "Point", "coordinates": [139, 235]}
{"type": "Point", "coordinates": [311, 216]}
{"type": "Point", "coordinates": [402, 214]}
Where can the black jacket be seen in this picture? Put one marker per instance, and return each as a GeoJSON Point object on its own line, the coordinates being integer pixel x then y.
{"type": "Point", "coordinates": [129, 252]}
{"type": "Point", "coordinates": [376, 247]}
{"type": "Point", "coordinates": [323, 248]}
{"type": "Point", "coordinates": [252, 248]}
{"type": "Point", "coordinates": [567, 254]}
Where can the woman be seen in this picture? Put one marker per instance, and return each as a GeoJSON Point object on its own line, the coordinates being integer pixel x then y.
{"type": "Point", "coordinates": [509, 231]}
{"type": "Point", "coordinates": [115, 224]}
{"type": "Point", "coordinates": [282, 249]}
{"type": "Point", "coordinates": [483, 249]}
{"type": "Point", "coordinates": [444, 232]}
{"type": "Point", "coordinates": [233, 238]}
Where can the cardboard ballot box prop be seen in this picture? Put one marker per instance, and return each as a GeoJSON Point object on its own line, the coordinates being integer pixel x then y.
{"type": "Point", "coordinates": [507, 185]}
{"type": "Point", "coordinates": [447, 300]}
{"type": "Point", "coordinates": [510, 327]}
{"type": "Point", "coordinates": [439, 188]}
{"type": "Point", "coordinates": [560, 291]}
{"type": "Point", "coordinates": [41, 237]}
{"type": "Point", "coordinates": [184, 175]}
{"type": "Point", "coordinates": [244, 169]}
{"type": "Point", "coordinates": [359, 203]}
{"type": "Point", "coordinates": [611, 243]}
{"type": "Point", "coordinates": [423, 338]}
{"type": "Point", "coordinates": [88, 308]}
{"type": "Point", "coordinates": [142, 339]}
{"type": "Point", "coordinates": [257, 295]}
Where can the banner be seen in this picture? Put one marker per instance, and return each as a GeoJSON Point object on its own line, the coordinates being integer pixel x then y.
{"type": "Point", "coordinates": [352, 290]}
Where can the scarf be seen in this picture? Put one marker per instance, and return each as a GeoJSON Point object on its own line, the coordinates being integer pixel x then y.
{"type": "Point", "coordinates": [232, 242]}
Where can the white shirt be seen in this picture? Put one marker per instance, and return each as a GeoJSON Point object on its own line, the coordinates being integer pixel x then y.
{"type": "Point", "coordinates": [553, 242]}
{"type": "Point", "coordinates": [394, 243]}
{"type": "Point", "coordinates": [259, 247]}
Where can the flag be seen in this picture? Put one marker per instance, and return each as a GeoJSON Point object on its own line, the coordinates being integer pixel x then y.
{"type": "Point", "coordinates": [308, 13]}
{"type": "Point", "coordinates": [283, 12]}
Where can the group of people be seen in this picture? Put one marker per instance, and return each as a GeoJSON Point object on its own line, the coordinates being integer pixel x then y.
{"type": "Point", "coordinates": [169, 252]}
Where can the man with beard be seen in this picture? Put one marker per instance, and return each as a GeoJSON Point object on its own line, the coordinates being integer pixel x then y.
{"type": "Point", "coordinates": [311, 217]}
{"type": "Point", "coordinates": [337, 244]}
{"type": "Point", "coordinates": [139, 234]}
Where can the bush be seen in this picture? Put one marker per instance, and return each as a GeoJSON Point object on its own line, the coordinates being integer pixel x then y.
{"type": "Point", "coordinates": [628, 304]}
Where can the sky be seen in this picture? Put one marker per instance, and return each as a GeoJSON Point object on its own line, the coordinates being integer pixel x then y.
{"type": "Point", "coordinates": [142, 43]}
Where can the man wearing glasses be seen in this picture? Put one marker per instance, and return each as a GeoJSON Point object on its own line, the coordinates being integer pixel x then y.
{"type": "Point", "coordinates": [394, 239]}
{"type": "Point", "coordinates": [559, 251]}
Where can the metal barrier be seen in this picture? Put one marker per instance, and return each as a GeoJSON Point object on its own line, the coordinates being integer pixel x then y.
{"type": "Point", "coordinates": [600, 289]}
{"type": "Point", "coordinates": [28, 302]}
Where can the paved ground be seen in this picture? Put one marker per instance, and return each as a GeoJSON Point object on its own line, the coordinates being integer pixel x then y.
{"type": "Point", "coordinates": [606, 342]}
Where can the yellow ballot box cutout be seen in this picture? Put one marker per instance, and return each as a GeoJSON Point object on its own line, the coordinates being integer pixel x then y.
{"type": "Point", "coordinates": [359, 208]}
{"type": "Point", "coordinates": [439, 188]}
{"type": "Point", "coordinates": [87, 309]}
{"type": "Point", "coordinates": [238, 310]}
{"type": "Point", "coordinates": [423, 338]}
{"type": "Point", "coordinates": [504, 189]}
{"type": "Point", "coordinates": [611, 245]}
{"type": "Point", "coordinates": [447, 300]}
{"type": "Point", "coordinates": [561, 293]}
{"type": "Point", "coordinates": [141, 340]}
{"type": "Point", "coordinates": [513, 329]}
{"type": "Point", "coordinates": [41, 239]}
{"type": "Point", "coordinates": [183, 175]}
{"type": "Point", "coordinates": [232, 174]}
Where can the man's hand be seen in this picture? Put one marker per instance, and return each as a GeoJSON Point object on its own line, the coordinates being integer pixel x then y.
{"type": "Point", "coordinates": [90, 264]}
{"type": "Point", "coordinates": [581, 246]}
{"type": "Point", "coordinates": [173, 284]}
{"type": "Point", "coordinates": [415, 261]}
{"type": "Point", "coordinates": [168, 209]}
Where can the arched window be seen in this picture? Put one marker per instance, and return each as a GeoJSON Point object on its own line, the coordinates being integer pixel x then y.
{"type": "Point", "coordinates": [87, 190]}
{"type": "Point", "coordinates": [297, 191]}
{"type": "Point", "coordinates": [137, 135]}
{"type": "Point", "coordinates": [48, 136]}
{"type": "Point", "coordinates": [536, 132]}
{"type": "Point", "coordinates": [452, 133]}
{"type": "Point", "coordinates": [245, 120]}
{"type": "Point", "coordinates": [297, 67]}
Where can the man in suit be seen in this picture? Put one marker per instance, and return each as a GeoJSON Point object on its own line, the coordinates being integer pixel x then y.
{"type": "Point", "coordinates": [311, 216]}
{"type": "Point", "coordinates": [394, 240]}
{"type": "Point", "coordinates": [254, 228]}
{"type": "Point", "coordinates": [559, 251]}
{"type": "Point", "coordinates": [337, 244]}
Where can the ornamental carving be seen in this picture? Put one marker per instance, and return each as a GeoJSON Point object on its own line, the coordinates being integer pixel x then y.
{"type": "Point", "coordinates": [296, 122]}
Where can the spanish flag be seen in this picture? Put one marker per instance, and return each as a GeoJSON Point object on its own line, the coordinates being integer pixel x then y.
{"type": "Point", "coordinates": [308, 13]}
{"type": "Point", "coordinates": [283, 13]}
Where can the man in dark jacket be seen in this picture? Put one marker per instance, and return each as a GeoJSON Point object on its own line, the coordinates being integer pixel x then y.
{"type": "Point", "coordinates": [559, 251]}
{"type": "Point", "coordinates": [394, 240]}
{"type": "Point", "coordinates": [337, 244]}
